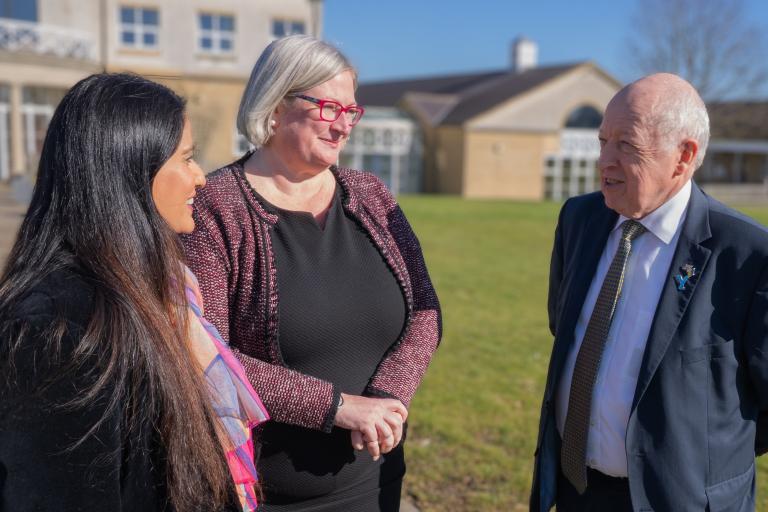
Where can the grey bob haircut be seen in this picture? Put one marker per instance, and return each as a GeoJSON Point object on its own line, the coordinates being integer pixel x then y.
{"type": "Point", "coordinates": [289, 65]}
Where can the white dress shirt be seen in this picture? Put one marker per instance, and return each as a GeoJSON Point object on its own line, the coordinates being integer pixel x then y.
{"type": "Point", "coordinates": [646, 273]}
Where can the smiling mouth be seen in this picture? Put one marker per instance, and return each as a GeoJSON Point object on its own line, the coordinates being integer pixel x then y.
{"type": "Point", "coordinates": [333, 142]}
{"type": "Point", "coordinates": [612, 181]}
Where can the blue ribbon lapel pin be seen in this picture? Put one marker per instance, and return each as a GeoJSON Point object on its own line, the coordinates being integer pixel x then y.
{"type": "Point", "coordinates": [687, 271]}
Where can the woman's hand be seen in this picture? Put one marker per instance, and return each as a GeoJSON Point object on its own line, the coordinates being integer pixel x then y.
{"type": "Point", "coordinates": [376, 423]}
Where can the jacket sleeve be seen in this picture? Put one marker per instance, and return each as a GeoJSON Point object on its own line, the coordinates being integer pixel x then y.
{"type": "Point", "coordinates": [555, 274]}
{"type": "Point", "coordinates": [402, 369]}
{"type": "Point", "coordinates": [289, 396]}
{"type": "Point", "coordinates": [46, 460]}
{"type": "Point", "coordinates": [756, 337]}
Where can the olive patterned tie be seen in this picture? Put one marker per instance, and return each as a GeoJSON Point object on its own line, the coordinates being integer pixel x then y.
{"type": "Point", "coordinates": [574, 448]}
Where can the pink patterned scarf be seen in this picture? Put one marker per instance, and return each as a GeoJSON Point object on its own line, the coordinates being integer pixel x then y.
{"type": "Point", "coordinates": [235, 402]}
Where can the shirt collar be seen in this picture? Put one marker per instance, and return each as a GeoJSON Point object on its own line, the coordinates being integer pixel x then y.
{"type": "Point", "coordinates": [664, 221]}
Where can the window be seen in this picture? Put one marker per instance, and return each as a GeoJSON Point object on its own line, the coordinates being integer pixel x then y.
{"type": "Point", "coordinates": [37, 106]}
{"type": "Point", "coordinates": [389, 147]}
{"type": "Point", "coordinates": [549, 179]}
{"type": "Point", "coordinates": [369, 138]}
{"type": "Point", "coordinates": [18, 10]}
{"type": "Point", "coordinates": [567, 176]}
{"type": "Point", "coordinates": [217, 33]}
{"type": "Point", "coordinates": [381, 166]}
{"type": "Point", "coordinates": [139, 27]}
{"type": "Point", "coordinates": [584, 117]}
{"type": "Point", "coordinates": [282, 28]}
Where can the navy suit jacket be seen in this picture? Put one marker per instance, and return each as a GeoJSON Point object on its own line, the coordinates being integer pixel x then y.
{"type": "Point", "coordinates": [695, 424]}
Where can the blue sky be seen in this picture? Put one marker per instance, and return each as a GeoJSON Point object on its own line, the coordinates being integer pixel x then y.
{"type": "Point", "coordinates": [400, 38]}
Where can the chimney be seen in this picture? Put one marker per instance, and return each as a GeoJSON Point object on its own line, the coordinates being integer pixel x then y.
{"type": "Point", "coordinates": [525, 54]}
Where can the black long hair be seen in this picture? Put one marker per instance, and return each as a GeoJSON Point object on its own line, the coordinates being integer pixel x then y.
{"type": "Point", "coordinates": [92, 208]}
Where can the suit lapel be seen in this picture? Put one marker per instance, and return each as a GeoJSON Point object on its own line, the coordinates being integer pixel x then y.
{"type": "Point", "coordinates": [674, 302]}
{"type": "Point", "coordinates": [589, 248]}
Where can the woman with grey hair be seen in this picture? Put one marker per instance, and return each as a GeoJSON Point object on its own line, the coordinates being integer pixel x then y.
{"type": "Point", "coordinates": [315, 276]}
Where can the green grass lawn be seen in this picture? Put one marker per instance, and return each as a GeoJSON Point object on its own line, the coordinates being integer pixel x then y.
{"type": "Point", "coordinates": [473, 422]}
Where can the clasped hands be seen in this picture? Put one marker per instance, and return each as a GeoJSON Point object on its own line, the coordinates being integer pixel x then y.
{"type": "Point", "coordinates": [375, 424]}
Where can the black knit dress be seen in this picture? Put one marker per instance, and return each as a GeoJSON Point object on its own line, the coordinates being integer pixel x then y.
{"type": "Point", "coordinates": [340, 310]}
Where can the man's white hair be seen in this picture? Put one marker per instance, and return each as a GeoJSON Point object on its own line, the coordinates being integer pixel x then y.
{"type": "Point", "coordinates": [679, 114]}
{"type": "Point", "coordinates": [287, 66]}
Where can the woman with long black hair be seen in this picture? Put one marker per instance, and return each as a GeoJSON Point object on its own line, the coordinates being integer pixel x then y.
{"type": "Point", "coordinates": [115, 394]}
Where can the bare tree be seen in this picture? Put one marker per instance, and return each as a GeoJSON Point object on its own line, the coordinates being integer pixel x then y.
{"type": "Point", "coordinates": [710, 43]}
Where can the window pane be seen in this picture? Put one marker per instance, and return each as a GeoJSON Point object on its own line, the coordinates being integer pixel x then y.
{"type": "Point", "coordinates": [149, 16]}
{"type": "Point", "coordinates": [581, 186]}
{"type": "Point", "coordinates": [297, 28]}
{"type": "Point", "coordinates": [126, 15]}
{"type": "Point", "coordinates": [206, 21]}
{"type": "Point", "coordinates": [150, 39]}
{"type": "Point", "coordinates": [41, 126]}
{"type": "Point", "coordinates": [278, 29]}
{"type": "Point", "coordinates": [549, 187]}
{"type": "Point", "coordinates": [380, 165]}
{"type": "Point", "coordinates": [227, 23]}
{"type": "Point", "coordinates": [226, 44]}
{"type": "Point", "coordinates": [42, 96]}
{"type": "Point", "coordinates": [584, 117]}
{"type": "Point", "coordinates": [128, 37]}
{"type": "Point", "coordinates": [206, 43]}
{"type": "Point", "coordinates": [19, 10]}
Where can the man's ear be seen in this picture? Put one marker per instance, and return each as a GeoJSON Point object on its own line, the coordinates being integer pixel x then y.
{"type": "Point", "coordinates": [687, 161]}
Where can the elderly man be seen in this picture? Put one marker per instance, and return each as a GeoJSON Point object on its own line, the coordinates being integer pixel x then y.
{"type": "Point", "coordinates": [658, 301]}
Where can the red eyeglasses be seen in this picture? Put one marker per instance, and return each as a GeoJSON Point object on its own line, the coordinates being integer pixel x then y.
{"type": "Point", "coordinates": [331, 110]}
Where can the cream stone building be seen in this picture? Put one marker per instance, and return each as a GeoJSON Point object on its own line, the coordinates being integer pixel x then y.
{"type": "Point", "coordinates": [526, 132]}
{"type": "Point", "coordinates": [735, 169]}
{"type": "Point", "coordinates": [203, 49]}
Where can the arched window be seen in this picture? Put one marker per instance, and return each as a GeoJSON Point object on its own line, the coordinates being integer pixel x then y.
{"type": "Point", "coordinates": [584, 117]}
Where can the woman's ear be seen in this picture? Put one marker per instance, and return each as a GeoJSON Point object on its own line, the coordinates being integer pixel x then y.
{"type": "Point", "coordinates": [274, 119]}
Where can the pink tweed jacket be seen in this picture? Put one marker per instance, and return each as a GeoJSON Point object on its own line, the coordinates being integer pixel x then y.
{"type": "Point", "coordinates": [231, 254]}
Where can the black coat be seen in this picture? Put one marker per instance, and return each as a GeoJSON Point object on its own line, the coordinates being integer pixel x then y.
{"type": "Point", "coordinates": [39, 467]}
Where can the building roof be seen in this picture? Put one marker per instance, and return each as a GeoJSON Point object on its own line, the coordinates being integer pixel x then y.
{"type": "Point", "coordinates": [454, 99]}
{"type": "Point", "coordinates": [739, 120]}
{"type": "Point", "coordinates": [387, 94]}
